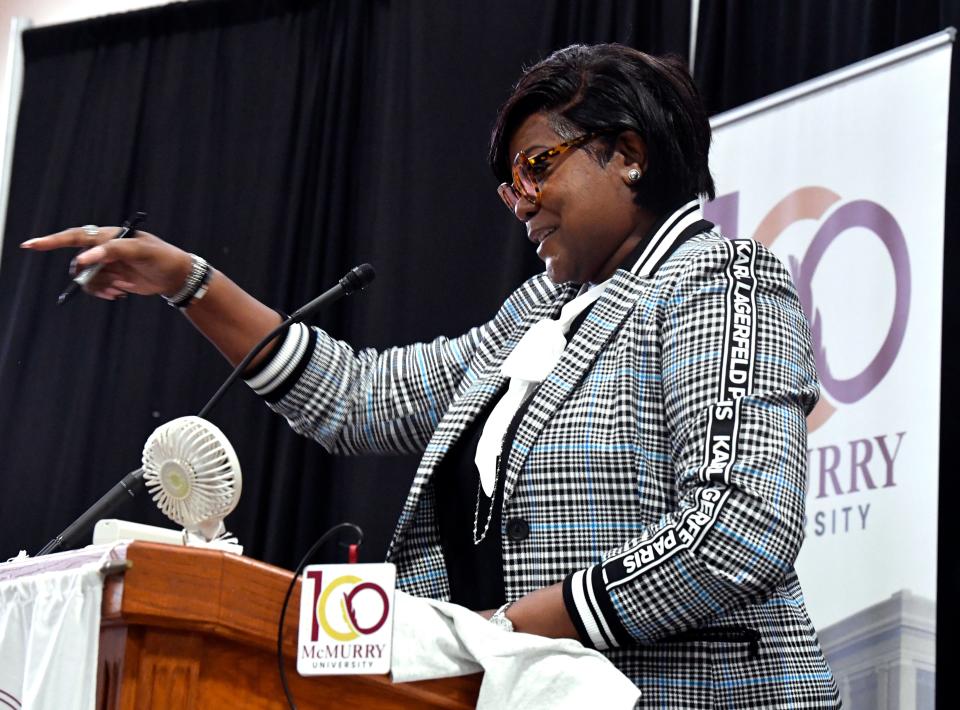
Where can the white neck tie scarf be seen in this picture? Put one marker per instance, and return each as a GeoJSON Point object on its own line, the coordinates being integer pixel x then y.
{"type": "Point", "coordinates": [531, 360]}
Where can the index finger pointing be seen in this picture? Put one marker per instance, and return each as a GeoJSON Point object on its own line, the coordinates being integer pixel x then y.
{"type": "Point", "coordinates": [74, 237]}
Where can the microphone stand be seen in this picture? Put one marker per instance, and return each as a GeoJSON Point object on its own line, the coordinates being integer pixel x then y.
{"type": "Point", "coordinates": [131, 484]}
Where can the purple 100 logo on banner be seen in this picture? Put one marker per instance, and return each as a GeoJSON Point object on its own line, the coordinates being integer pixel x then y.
{"type": "Point", "coordinates": [812, 203]}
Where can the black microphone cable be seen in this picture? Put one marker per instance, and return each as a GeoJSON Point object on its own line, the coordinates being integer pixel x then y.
{"type": "Point", "coordinates": [286, 599]}
{"type": "Point", "coordinates": [355, 280]}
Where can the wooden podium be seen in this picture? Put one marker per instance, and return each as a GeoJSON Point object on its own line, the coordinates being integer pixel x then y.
{"type": "Point", "coordinates": [191, 628]}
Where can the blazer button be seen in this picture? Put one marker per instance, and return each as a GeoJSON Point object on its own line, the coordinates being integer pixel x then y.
{"type": "Point", "coordinates": [518, 529]}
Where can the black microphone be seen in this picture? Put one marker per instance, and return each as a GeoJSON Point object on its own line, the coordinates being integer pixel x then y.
{"type": "Point", "coordinates": [131, 484]}
{"type": "Point", "coordinates": [355, 280]}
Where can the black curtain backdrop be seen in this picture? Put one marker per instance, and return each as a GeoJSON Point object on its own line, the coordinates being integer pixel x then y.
{"type": "Point", "coordinates": [287, 142]}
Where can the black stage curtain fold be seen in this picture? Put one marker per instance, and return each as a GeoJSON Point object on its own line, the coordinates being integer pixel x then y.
{"type": "Point", "coordinates": [285, 142]}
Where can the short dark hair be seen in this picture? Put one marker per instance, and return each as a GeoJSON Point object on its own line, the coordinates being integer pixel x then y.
{"type": "Point", "coordinates": [610, 88]}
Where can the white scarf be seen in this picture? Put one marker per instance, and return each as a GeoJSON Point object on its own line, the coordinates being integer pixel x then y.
{"type": "Point", "coordinates": [531, 360]}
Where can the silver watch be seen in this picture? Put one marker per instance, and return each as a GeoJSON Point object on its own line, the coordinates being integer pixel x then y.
{"type": "Point", "coordinates": [500, 620]}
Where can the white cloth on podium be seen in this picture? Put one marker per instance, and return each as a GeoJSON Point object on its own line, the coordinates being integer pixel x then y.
{"type": "Point", "coordinates": [49, 637]}
{"type": "Point", "coordinates": [433, 639]}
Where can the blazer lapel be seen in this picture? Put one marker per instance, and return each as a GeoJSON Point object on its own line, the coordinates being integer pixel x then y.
{"type": "Point", "coordinates": [466, 407]}
{"type": "Point", "coordinates": [603, 321]}
{"type": "Point", "coordinates": [578, 357]}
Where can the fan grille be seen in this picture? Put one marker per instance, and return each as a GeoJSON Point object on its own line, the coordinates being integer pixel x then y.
{"type": "Point", "coordinates": [192, 473]}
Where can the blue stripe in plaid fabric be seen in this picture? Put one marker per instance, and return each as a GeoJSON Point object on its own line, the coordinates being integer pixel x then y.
{"type": "Point", "coordinates": [589, 446]}
{"type": "Point", "coordinates": [427, 390]}
{"type": "Point", "coordinates": [696, 587]}
{"type": "Point", "coordinates": [413, 579]}
{"type": "Point", "coordinates": [776, 680]}
{"type": "Point", "coordinates": [595, 525]}
{"type": "Point", "coordinates": [721, 528]}
{"type": "Point", "coordinates": [317, 371]}
{"type": "Point", "coordinates": [680, 682]}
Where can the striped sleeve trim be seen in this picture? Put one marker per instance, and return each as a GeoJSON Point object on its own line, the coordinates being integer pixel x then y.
{"type": "Point", "coordinates": [271, 352]}
{"type": "Point", "coordinates": [277, 376]}
{"type": "Point", "coordinates": [591, 610]}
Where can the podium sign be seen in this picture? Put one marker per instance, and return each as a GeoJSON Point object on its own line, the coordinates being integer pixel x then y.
{"type": "Point", "coordinates": [346, 619]}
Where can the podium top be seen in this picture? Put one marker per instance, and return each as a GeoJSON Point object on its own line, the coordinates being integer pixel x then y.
{"type": "Point", "coordinates": [61, 561]}
{"type": "Point", "coordinates": [231, 596]}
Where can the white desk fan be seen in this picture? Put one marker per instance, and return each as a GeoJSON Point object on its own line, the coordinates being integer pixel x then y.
{"type": "Point", "coordinates": [193, 475]}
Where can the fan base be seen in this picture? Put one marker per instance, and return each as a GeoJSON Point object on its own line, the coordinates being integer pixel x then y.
{"type": "Point", "coordinates": [112, 530]}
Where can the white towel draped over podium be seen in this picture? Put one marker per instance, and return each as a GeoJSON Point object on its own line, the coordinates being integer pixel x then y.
{"type": "Point", "coordinates": [49, 633]}
{"type": "Point", "coordinates": [437, 640]}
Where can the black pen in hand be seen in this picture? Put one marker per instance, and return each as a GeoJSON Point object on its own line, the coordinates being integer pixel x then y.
{"type": "Point", "coordinates": [83, 278]}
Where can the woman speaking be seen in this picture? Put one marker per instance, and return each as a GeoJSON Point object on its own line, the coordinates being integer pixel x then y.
{"type": "Point", "coordinates": [619, 454]}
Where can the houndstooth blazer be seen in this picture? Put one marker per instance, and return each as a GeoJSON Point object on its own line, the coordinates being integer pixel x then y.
{"type": "Point", "coordinates": [659, 470]}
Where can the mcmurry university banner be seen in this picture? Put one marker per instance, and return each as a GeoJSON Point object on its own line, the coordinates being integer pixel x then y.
{"type": "Point", "coordinates": [843, 178]}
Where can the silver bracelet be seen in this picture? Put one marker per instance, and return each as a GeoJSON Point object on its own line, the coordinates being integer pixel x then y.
{"type": "Point", "coordinates": [195, 286]}
{"type": "Point", "coordinates": [500, 620]}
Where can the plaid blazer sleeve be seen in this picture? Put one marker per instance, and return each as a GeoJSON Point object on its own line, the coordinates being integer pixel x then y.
{"type": "Point", "coordinates": [367, 401]}
{"type": "Point", "coordinates": [738, 379]}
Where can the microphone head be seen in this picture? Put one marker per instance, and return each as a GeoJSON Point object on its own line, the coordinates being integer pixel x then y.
{"type": "Point", "coordinates": [357, 278]}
